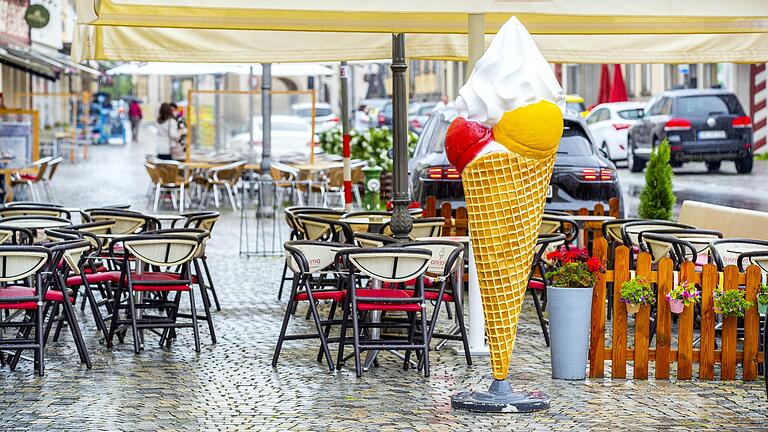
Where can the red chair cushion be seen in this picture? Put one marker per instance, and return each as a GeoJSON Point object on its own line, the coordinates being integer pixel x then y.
{"type": "Point", "coordinates": [388, 293]}
{"type": "Point", "coordinates": [20, 291]}
{"type": "Point", "coordinates": [175, 276]}
{"type": "Point", "coordinates": [93, 278]}
{"type": "Point", "coordinates": [335, 295]}
{"type": "Point", "coordinates": [536, 285]}
{"type": "Point", "coordinates": [432, 295]}
{"type": "Point", "coordinates": [30, 177]}
{"type": "Point", "coordinates": [427, 283]}
{"type": "Point", "coordinates": [154, 277]}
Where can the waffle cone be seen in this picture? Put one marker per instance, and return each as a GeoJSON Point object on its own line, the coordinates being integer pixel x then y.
{"type": "Point", "coordinates": [505, 195]}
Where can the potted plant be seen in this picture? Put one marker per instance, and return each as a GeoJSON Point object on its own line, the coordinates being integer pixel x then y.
{"type": "Point", "coordinates": [731, 303]}
{"type": "Point", "coordinates": [684, 294]}
{"type": "Point", "coordinates": [569, 297]}
{"type": "Point", "coordinates": [762, 299]}
{"type": "Point", "coordinates": [636, 292]}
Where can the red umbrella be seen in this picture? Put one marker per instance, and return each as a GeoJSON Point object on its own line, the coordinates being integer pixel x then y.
{"type": "Point", "coordinates": [618, 89]}
{"type": "Point", "coordinates": [605, 85]}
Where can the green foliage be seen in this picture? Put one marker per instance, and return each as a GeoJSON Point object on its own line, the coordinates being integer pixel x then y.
{"type": "Point", "coordinates": [657, 199]}
{"type": "Point", "coordinates": [761, 156]}
{"type": "Point", "coordinates": [731, 303]}
{"type": "Point", "coordinates": [686, 292]}
{"type": "Point", "coordinates": [373, 144]}
{"type": "Point", "coordinates": [637, 291]}
{"type": "Point", "coordinates": [762, 294]}
{"type": "Point", "coordinates": [572, 275]}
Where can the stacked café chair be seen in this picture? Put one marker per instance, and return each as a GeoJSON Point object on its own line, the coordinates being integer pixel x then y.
{"type": "Point", "coordinates": [390, 266]}
{"type": "Point", "coordinates": [171, 254]}
{"type": "Point", "coordinates": [537, 276]}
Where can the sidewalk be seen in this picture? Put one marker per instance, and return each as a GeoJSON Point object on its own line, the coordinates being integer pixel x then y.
{"type": "Point", "coordinates": [232, 386]}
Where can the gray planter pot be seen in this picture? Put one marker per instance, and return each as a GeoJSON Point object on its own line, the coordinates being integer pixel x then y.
{"type": "Point", "coordinates": [570, 312]}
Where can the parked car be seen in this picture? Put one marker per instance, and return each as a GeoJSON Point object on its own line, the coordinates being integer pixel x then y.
{"type": "Point", "coordinates": [291, 136]}
{"type": "Point", "coordinates": [610, 123]}
{"type": "Point", "coordinates": [324, 117]}
{"type": "Point", "coordinates": [575, 103]}
{"type": "Point", "coordinates": [384, 116]}
{"type": "Point", "coordinates": [702, 125]}
{"type": "Point", "coordinates": [418, 114]}
{"type": "Point", "coordinates": [582, 176]}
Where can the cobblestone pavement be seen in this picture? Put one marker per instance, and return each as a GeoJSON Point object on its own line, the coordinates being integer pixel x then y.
{"type": "Point", "coordinates": [231, 385]}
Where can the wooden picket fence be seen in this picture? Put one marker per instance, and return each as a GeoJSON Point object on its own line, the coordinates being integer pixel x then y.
{"type": "Point", "coordinates": [663, 354]}
{"type": "Point", "coordinates": [456, 220]}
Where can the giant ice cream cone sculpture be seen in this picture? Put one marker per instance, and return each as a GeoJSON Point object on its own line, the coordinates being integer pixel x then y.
{"type": "Point", "coordinates": [504, 143]}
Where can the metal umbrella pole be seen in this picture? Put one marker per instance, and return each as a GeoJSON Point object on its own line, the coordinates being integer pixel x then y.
{"type": "Point", "coordinates": [345, 149]}
{"type": "Point", "coordinates": [402, 223]}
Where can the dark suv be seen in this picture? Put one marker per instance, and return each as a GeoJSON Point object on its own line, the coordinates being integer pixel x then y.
{"type": "Point", "coordinates": [582, 176]}
{"type": "Point", "coordinates": [701, 125]}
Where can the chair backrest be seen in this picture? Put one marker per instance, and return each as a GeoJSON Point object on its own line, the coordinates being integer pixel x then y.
{"type": "Point", "coordinates": [41, 165]}
{"type": "Point", "coordinates": [230, 173]}
{"type": "Point", "coordinates": [372, 240]}
{"type": "Point", "coordinates": [19, 262]}
{"type": "Point", "coordinates": [446, 255]}
{"type": "Point", "coordinates": [53, 165]}
{"type": "Point", "coordinates": [390, 264]}
{"type": "Point", "coordinates": [70, 252]}
{"type": "Point", "coordinates": [663, 245]}
{"type": "Point", "coordinates": [154, 175]}
{"type": "Point", "coordinates": [161, 249]}
{"type": "Point", "coordinates": [319, 228]}
{"type": "Point", "coordinates": [15, 235]}
{"type": "Point", "coordinates": [545, 244]}
{"type": "Point", "coordinates": [726, 252]}
{"type": "Point", "coordinates": [422, 227]}
{"type": "Point", "coordinates": [125, 221]}
{"type": "Point", "coordinates": [283, 172]}
{"type": "Point", "coordinates": [612, 229]}
{"type": "Point", "coordinates": [34, 210]}
{"type": "Point", "coordinates": [204, 220]}
{"type": "Point", "coordinates": [307, 256]}
{"type": "Point", "coordinates": [631, 230]}
{"type": "Point", "coordinates": [335, 177]}
{"type": "Point", "coordinates": [551, 223]}
{"type": "Point", "coordinates": [758, 258]}
{"type": "Point", "coordinates": [701, 237]}
{"type": "Point", "coordinates": [168, 172]}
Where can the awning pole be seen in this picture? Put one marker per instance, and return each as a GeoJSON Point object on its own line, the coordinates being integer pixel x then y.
{"type": "Point", "coordinates": [402, 223]}
{"type": "Point", "coordinates": [250, 114]}
{"type": "Point", "coordinates": [345, 150]}
{"type": "Point", "coordinates": [476, 40]}
{"type": "Point", "coordinates": [266, 117]}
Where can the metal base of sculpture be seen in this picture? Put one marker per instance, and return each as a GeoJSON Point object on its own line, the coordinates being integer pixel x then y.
{"type": "Point", "coordinates": [500, 398]}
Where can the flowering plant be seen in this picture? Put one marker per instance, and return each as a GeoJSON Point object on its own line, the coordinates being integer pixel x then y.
{"type": "Point", "coordinates": [686, 292]}
{"type": "Point", "coordinates": [574, 268]}
{"type": "Point", "coordinates": [762, 295]}
{"type": "Point", "coordinates": [732, 303]}
{"type": "Point", "coordinates": [637, 291]}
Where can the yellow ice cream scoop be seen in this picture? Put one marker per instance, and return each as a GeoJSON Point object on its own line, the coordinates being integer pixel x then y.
{"type": "Point", "coordinates": [532, 131]}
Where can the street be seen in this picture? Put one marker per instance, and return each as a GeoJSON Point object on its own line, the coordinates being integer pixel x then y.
{"type": "Point", "coordinates": [692, 182]}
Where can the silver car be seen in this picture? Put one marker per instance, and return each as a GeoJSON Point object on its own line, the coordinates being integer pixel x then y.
{"type": "Point", "coordinates": [324, 117]}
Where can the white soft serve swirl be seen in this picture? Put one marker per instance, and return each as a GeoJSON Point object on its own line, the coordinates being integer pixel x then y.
{"type": "Point", "coordinates": [512, 73]}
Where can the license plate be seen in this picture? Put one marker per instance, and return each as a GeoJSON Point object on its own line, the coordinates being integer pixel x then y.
{"type": "Point", "coordinates": [712, 134]}
{"type": "Point", "coordinates": [549, 192]}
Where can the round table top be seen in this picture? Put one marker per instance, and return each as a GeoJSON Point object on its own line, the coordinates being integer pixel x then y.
{"type": "Point", "coordinates": [317, 166]}
{"type": "Point", "coordinates": [457, 239]}
{"type": "Point", "coordinates": [590, 218]}
{"type": "Point", "coordinates": [365, 220]}
{"type": "Point", "coordinates": [167, 217]}
{"type": "Point", "coordinates": [35, 223]}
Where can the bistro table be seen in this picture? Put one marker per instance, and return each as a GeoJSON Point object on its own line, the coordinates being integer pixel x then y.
{"type": "Point", "coordinates": [588, 221]}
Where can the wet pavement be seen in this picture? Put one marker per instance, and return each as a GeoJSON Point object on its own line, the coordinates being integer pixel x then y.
{"type": "Point", "coordinates": [692, 182]}
{"type": "Point", "coordinates": [232, 386]}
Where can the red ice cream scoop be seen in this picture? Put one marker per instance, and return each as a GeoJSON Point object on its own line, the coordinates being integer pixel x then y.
{"type": "Point", "coordinates": [464, 140]}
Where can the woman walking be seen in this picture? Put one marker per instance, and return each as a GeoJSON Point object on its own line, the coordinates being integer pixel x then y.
{"type": "Point", "coordinates": [167, 132]}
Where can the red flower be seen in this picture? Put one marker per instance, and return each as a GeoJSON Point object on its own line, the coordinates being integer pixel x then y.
{"type": "Point", "coordinates": [555, 255]}
{"type": "Point", "coordinates": [594, 265]}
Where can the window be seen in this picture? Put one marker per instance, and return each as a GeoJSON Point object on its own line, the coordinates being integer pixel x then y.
{"type": "Point", "coordinates": [598, 116]}
{"type": "Point", "coordinates": [666, 106]}
{"type": "Point", "coordinates": [655, 106]}
{"type": "Point", "coordinates": [693, 106]}
{"type": "Point", "coordinates": [631, 114]}
{"type": "Point", "coordinates": [574, 143]}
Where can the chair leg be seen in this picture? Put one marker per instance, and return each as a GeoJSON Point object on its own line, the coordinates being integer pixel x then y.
{"type": "Point", "coordinates": [539, 313]}
{"type": "Point", "coordinates": [194, 319]}
{"type": "Point", "coordinates": [356, 338]}
{"type": "Point", "coordinates": [425, 332]}
{"type": "Point", "coordinates": [157, 197]}
{"type": "Point", "coordinates": [181, 198]}
{"type": "Point", "coordinates": [343, 333]}
{"type": "Point", "coordinates": [216, 195]}
{"type": "Point", "coordinates": [77, 336]}
{"type": "Point", "coordinates": [282, 280]}
{"type": "Point", "coordinates": [206, 301]}
{"type": "Point", "coordinates": [210, 284]}
{"type": "Point", "coordinates": [231, 196]}
{"type": "Point", "coordinates": [321, 333]}
{"type": "Point", "coordinates": [40, 342]}
{"type": "Point", "coordinates": [463, 331]}
{"type": "Point", "coordinates": [134, 327]}
{"type": "Point", "coordinates": [411, 334]}
{"type": "Point", "coordinates": [327, 331]}
{"type": "Point", "coordinates": [283, 328]}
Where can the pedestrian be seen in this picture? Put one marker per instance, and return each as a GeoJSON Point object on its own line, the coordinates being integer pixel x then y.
{"type": "Point", "coordinates": [181, 150]}
{"type": "Point", "coordinates": [167, 132]}
{"type": "Point", "coordinates": [134, 115]}
{"type": "Point", "coordinates": [362, 120]}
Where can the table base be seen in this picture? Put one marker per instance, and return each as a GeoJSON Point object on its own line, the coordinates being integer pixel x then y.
{"type": "Point", "coordinates": [500, 399]}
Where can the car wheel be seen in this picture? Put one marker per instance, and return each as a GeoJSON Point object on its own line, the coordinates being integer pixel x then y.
{"type": "Point", "coordinates": [713, 166]}
{"type": "Point", "coordinates": [634, 163]}
{"type": "Point", "coordinates": [744, 165]}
